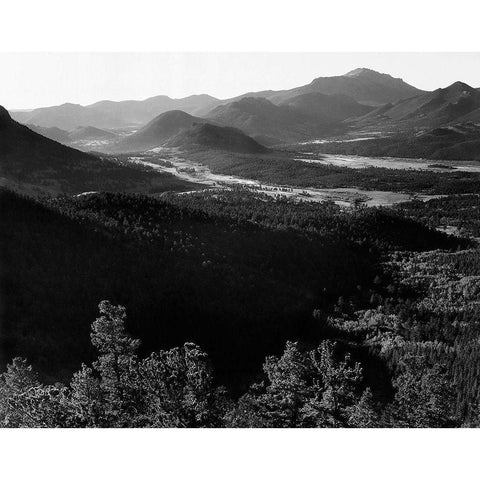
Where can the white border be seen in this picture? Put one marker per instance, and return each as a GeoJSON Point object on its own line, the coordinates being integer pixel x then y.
{"type": "Point", "coordinates": [239, 454]}
{"type": "Point", "coordinates": [247, 25]}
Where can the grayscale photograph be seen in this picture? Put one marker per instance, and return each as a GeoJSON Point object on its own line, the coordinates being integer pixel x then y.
{"type": "Point", "coordinates": [182, 249]}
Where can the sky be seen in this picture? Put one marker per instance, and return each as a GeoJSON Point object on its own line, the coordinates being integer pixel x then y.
{"type": "Point", "coordinates": [31, 80]}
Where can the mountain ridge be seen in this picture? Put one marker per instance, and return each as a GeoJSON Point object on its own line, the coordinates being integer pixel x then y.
{"type": "Point", "coordinates": [259, 117]}
{"type": "Point", "coordinates": [362, 87]}
{"type": "Point", "coordinates": [106, 114]}
{"type": "Point", "coordinates": [456, 103]}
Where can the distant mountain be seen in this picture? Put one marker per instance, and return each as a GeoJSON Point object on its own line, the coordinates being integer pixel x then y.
{"type": "Point", "coordinates": [213, 137]}
{"type": "Point", "coordinates": [260, 118]}
{"type": "Point", "coordinates": [455, 104]}
{"type": "Point", "coordinates": [34, 164]}
{"type": "Point", "coordinates": [53, 133]}
{"type": "Point", "coordinates": [327, 108]}
{"type": "Point", "coordinates": [363, 85]}
{"type": "Point", "coordinates": [90, 133]}
{"type": "Point", "coordinates": [157, 132]}
{"type": "Point", "coordinates": [108, 114]}
{"type": "Point", "coordinates": [66, 116]}
{"type": "Point", "coordinates": [79, 134]}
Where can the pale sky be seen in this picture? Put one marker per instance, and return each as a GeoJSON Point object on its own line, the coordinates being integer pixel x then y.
{"type": "Point", "coordinates": [30, 80]}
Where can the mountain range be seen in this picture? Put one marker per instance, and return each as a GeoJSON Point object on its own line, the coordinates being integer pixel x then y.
{"type": "Point", "coordinates": [179, 129]}
{"type": "Point", "coordinates": [109, 114]}
{"type": "Point", "coordinates": [362, 85]}
{"type": "Point", "coordinates": [359, 101]}
{"type": "Point", "coordinates": [456, 103]}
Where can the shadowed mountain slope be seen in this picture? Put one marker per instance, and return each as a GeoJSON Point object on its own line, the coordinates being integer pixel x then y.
{"type": "Point", "coordinates": [157, 132]}
{"type": "Point", "coordinates": [34, 164]}
{"type": "Point", "coordinates": [454, 104]}
{"type": "Point", "coordinates": [213, 137]}
{"type": "Point", "coordinates": [259, 117]}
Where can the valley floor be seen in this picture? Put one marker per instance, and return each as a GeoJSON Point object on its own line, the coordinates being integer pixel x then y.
{"type": "Point", "coordinates": [177, 163]}
{"type": "Point", "coordinates": [358, 162]}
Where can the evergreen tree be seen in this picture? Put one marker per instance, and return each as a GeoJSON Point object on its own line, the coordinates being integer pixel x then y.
{"type": "Point", "coordinates": [425, 396]}
{"type": "Point", "coordinates": [364, 414]}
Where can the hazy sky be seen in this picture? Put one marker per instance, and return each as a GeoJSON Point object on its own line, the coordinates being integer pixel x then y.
{"type": "Point", "coordinates": [31, 80]}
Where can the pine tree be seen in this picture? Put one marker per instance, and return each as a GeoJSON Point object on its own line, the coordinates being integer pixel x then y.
{"type": "Point", "coordinates": [364, 413]}
{"type": "Point", "coordinates": [117, 363]}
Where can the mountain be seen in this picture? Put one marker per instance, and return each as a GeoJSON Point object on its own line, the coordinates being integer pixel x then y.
{"type": "Point", "coordinates": [34, 164]}
{"type": "Point", "coordinates": [327, 108]}
{"type": "Point", "coordinates": [363, 85]}
{"type": "Point", "coordinates": [78, 135]}
{"type": "Point", "coordinates": [262, 119]}
{"type": "Point", "coordinates": [66, 116]}
{"type": "Point", "coordinates": [53, 133]}
{"type": "Point", "coordinates": [213, 137]}
{"type": "Point", "coordinates": [90, 133]}
{"type": "Point", "coordinates": [157, 132]}
{"type": "Point", "coordinates": [456, 103]}
{"type": "Point", "coordinates": [109, 114]}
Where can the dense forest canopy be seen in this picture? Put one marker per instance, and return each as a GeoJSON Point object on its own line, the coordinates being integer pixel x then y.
{"type": "Point", "coordinates": [360, 317]}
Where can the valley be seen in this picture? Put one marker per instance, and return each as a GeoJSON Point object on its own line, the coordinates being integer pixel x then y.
{"type": "Point", "coordinates": [171, 161]}
{"type": "Point", "coordinates": [359, 162]}
{"type": "Point", "coordinates": [321, 240]}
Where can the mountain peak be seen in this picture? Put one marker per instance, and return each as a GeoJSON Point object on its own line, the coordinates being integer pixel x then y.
{"type": "Point", "coordinates": [364, 72]}
{"type": "Point", "coordinates": [171, 116]}
{"type": "Point", "coordinates": [460, 86]}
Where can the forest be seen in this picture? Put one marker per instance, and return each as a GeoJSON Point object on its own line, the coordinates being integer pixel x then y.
{"type": "Point", "coordinates": [230, 308]}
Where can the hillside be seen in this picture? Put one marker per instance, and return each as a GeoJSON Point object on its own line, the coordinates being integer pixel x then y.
{"type": "Point", "coordinates": [451, 142]}
{"type": "Point", "coordinates": [109, 114]}
{"type": "Point", "coordinates": [53, 133]}
{"type": "Point", "coordinates": [232, 272]}
{"type": "Point", "coordinates": [259, 117]}
{"type": "Point", "coordinates": [212, 137]}
{"type": "Point", "coordinates": [34, 164]}
{"type": "Point", "coordinates": [157, 132]}
{"type": "Point", "coordinates": [76, 137]}
{"type": "Point", "coordinates": [454, 104]}
{"type": "Point", "coordinates": [90, 133]}
{"type": "Point", "coordinates": [327, 108]}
